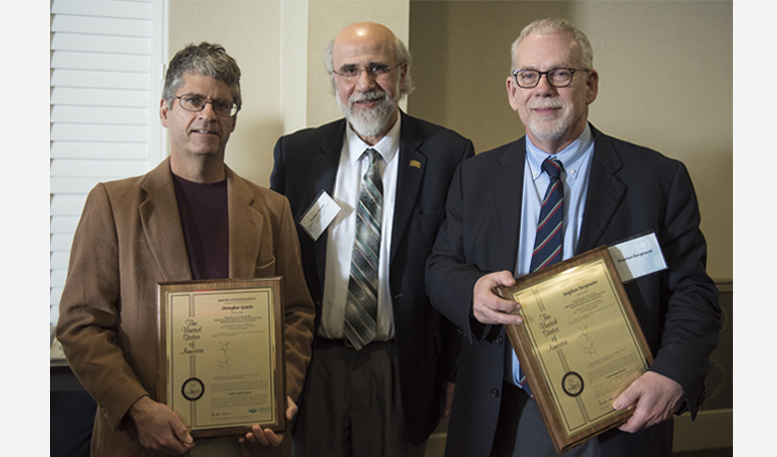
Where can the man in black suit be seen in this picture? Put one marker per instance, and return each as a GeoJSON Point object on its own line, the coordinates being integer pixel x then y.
{"type": "Point", "coordinates": [613, 190]}
{"type": "Point", "coordinates": [376, 387]}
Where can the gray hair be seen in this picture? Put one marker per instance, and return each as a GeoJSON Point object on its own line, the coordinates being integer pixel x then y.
{"type": "Point", "coordinates": [548, 26]}
{"type": "Point", "coordinates": [207, 60]}
{"type": "Point", "coordinates": [402, 56]}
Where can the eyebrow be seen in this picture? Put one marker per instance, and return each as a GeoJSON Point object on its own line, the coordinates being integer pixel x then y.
{"type": "Point", "coordinates": [557, 67]}
{"type": "Point", "coordinates": [194, 94]}
{"type": "Point", "coordinates": [367, 64]}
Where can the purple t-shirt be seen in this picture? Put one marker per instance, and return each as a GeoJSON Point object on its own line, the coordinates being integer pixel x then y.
{"type": "Point", "coordinates": [204, 218]}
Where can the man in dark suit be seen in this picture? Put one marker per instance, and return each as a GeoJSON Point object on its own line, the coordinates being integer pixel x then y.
{"type": "Point", "coordinates": [376, 384]}
{"type": "Point", "coordinates": [612, 190]}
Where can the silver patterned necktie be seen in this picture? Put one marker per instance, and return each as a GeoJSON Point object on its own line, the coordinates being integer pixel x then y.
{"type": "Point", "coordinates": [361, 307]}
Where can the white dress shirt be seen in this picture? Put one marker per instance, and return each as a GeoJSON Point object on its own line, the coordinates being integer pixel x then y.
{"type": "Point", "coordinates": [341, 233]}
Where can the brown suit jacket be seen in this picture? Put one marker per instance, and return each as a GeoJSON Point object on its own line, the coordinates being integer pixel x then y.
{"type": "Point", "coordinates": [129, 239]}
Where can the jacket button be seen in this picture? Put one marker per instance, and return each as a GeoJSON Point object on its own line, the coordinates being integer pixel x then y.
{"type": "Point", "coordinates": [499, 339]}
{"type": "Point", "coordinates": [495, 392]}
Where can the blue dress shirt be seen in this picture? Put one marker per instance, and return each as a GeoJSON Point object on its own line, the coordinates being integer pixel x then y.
{"type": "Point", "coordinates": [576, 159]}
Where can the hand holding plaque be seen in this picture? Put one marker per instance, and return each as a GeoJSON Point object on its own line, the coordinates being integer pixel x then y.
{"type": "Point", "coordinates": [580, 345]}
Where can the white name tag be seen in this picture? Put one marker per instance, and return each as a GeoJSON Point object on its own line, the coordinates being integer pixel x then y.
{"type": "Point", "coordinates": [320, 214]}
{"type": "Point", "coordinates": [638, 257]}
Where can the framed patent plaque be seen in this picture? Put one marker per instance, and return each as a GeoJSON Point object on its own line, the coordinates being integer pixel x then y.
{"type": "Point", "coordinates": [580, 345]}
{"type": "Point", "coordinates": [221, 355]}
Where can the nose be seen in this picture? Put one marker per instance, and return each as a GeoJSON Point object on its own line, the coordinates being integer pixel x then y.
{"type": "Point", "coordinates": [544, 86]}
{"type": "Point", "coordinates": [207, 111]}
{"type": "Point", "coordinates": [365, 81]}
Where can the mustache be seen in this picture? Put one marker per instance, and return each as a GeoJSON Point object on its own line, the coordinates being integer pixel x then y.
{"type": "Point", "coordinates": [547, 104]}
{"type": "Point", "coordinates": [367, 97]}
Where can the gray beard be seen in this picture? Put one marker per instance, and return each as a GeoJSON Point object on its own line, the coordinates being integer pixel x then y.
{"type": "Point", "coordinates": [370, 122]}
{"type": "Point", "coordinates": [552, 131]}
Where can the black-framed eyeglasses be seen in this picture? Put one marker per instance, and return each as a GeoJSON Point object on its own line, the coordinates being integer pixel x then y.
{"type": "Point", "coordinates": [558, 77]}
{"type": "Point", "coordinates": [375, 70]}
{"type": "Point", "coordinates": [194, 102]}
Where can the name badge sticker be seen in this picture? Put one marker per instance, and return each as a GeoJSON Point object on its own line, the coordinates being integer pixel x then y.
{"type": "Point", "coordinates": [320, 214]}
{"type": "Point", "coordinates": [638, 257]}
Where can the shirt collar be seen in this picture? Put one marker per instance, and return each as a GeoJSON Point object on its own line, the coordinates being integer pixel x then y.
{"type": "Point", "coordinates": [387, 146]}
{"type": "Point", "coordinates": [572, 156]}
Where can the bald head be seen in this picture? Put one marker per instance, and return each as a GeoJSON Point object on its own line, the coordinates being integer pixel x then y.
{"type": "Point", "coordinates": [369, 35]}
{"type": "Point", "coordinates": [369, 69]}
{"type": "Point", "coordinates": [365, 34]}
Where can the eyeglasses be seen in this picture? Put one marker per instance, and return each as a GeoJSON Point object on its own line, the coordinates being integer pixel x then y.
{"type": "Point", "coordinates": [194, 102]}
{"type": "Point", "coordinates": [375, 70]}
{"type": "Point", "coordinates": [559, 77]}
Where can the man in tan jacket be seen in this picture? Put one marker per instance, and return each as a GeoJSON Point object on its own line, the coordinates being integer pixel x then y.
{"type": "Point", "coordinates": [189, 218]}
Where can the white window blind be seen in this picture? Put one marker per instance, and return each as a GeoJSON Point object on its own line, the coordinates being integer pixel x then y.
{"type": "Point", "coordinates": [107, 59]}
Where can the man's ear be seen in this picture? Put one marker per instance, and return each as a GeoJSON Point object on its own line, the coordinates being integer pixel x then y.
{"type": "Point", "coordinates": [512, 89]}
{"type": "Point", "coordinates": [402, 76]}
{"type": "Point", "coordinates": [163, 109]}
{"type": "Point", "coordinates": [592, 83]}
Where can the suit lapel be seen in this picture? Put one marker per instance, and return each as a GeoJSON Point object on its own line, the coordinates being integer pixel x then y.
{"type": "Point", "coordinates": [605, 192]}
{"type": "Point", "coordinates": [410, 174]}
{"type": "Point", "coordinates": [246, 225]}
{"type": "Point", "coordinates": [507, 202]}
{"type": "Point", "coordinates": [162, 226]}
{"type": "Point", "coordinates": [326, 164]}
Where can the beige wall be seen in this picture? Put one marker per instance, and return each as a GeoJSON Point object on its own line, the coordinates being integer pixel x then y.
{"type": "Point", "coordinates": [279, 46]}
{"type": "Point", "coordinates": [250, 32]}
{"type": "Point", "coordinates": [326, 19]}
{"type": "Point", "coordinates": [665, 68]}
{"type": "Point", "coordinates": [665, 82]}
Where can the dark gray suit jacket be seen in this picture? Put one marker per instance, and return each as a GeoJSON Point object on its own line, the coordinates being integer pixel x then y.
{"type": "Point", "coordinates": [632, 190]}
{"type": "Point", "coordinates": [306, 163]}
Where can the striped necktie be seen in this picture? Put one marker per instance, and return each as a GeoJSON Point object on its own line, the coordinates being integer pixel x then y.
{"type": "Point", "coordinates": [550, 226]}
{"type": "Point", "coordinates": [361, 308]}
{"type": "Point", "coordinates": [548, 243]}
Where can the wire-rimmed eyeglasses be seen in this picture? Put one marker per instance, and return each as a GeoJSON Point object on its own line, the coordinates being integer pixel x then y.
{"type": "Point", "coordinates": [375, 70]}
{"type": "Point", "coordinates": [194, 102]}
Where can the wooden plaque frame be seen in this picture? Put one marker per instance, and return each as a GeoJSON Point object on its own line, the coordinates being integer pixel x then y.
{"type": "Point", "coordinates": [206, 329]}
{"type": "Point", "coordinates": [551, 345]}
